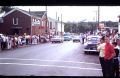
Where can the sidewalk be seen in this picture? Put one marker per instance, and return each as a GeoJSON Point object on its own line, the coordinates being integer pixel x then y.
{"type": "Point", "coordinates": [22, 46]}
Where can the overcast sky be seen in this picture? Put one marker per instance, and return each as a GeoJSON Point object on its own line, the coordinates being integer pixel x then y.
{"type": "Point", "coordinates": [78, 13]}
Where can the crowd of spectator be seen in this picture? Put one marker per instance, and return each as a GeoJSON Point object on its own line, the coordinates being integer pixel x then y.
{"type": "Point", "coordinates": [12, 42]}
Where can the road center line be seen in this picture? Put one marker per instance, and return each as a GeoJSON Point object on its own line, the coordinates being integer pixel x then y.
{"type": "Point", "coordinates": [50, 66]}
{"type": "Point", "coordinates": [47, 60]}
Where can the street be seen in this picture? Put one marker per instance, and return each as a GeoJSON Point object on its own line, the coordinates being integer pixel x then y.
{"type": "Point", "coordinates": [50, 59]}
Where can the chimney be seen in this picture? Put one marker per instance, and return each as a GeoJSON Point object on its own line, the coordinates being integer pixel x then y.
{"type": "Point", "coordinates": [29, 10]}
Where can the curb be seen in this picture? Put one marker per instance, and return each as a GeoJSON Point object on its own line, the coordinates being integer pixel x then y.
{"type": "Point", "coordinates": [24, 46]}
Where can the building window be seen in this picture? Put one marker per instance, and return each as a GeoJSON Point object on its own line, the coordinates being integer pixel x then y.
{"type": "Point", "coordinates": [1, 20]}
{"type": "Point", "coordinates": [15, 21]}
{"type": "Point", "coordinates": [42, 23]}
{"type": "Point", "coordinates": [48, 24]}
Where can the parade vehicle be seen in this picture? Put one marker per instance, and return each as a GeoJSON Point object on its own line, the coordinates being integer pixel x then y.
{"type": "Point", "coordinates": [76, 38]}
{"type": "Point", "coordinates": [91, 44]}
{"type": "Point", "coordinates": [57, 39]}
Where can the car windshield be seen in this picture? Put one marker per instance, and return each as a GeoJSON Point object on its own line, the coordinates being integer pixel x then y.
{"type": "Point", "coordinates": [76, 37]}
{"type": "Point", "coordinates": [66, 34]}
{"type": "Point", "coordinates": [93, 39]}
{"type": "Point", "coordinates": [56, 36]}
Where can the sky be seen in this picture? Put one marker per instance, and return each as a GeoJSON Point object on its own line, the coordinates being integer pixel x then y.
{"type": "Point", "coordinates": [78, 13]}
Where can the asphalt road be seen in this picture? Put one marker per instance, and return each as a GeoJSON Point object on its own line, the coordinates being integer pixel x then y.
{"type": "Point", "coordinates": [50, 59]}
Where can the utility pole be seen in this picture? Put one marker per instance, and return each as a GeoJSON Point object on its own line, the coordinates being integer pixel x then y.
{"type": "Point", "coordinates": [56, 25]}
{"type": "Point", "coordinates": [96, 28]}
{"type": "Point", "coordinates": [61, 25]}
{"type": "Point", "coordinates": [46, 21]}
{"type": "Point", "coordinates": [98, 16]}
{"type": "Point", "coordinates": [31, 24]}
{"type": "Point", "coordinates": [56, 15]}
{"type": "Point", "coordinates": [119, 25]}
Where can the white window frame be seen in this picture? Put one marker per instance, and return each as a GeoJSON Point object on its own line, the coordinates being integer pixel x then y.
{"type": "Point", "coordinates": [15, 19]}
{"type": "Point", "coordinates": [42, 23]}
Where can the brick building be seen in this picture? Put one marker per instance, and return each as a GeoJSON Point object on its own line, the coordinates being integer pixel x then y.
{"type": "Point", "coordinates": [18, 21]}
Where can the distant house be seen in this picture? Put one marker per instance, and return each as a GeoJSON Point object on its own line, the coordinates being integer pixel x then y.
{"type": "Point", "coordinates": [18, 21]}
{"type": "Point", "coordinates": [55, 27]}
{"type": "Point", "coordinates": [42, 28]}
{"type": "Point", "coordinates": [60, 28]}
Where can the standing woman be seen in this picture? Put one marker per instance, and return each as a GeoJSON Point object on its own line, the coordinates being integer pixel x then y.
{"type": "Point", "coordinates": [101, 49]}
{"type": "Point", "coordinates": [108, 57]}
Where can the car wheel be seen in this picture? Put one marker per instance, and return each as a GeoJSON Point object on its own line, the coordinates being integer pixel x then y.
{"type": "Point", "coordinates": [89, 52]}
{"type": "Point", "coordinates": [86, 52]}
{"type": "Point", "coordinates": [42, 40]}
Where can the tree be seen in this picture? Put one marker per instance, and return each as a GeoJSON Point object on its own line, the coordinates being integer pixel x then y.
{"type": "Point", "coordinates": [80, 27]}
{"type": "Point", "coordinates": [67, 27]}
{"type": "Point", "coordinates": [5, 9]}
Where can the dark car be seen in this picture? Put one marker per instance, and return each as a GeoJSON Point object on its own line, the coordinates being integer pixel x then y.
{"type": "Point", "coordinates": [91, 44]}
{"type": "Point", "coordinates": [44, 39]}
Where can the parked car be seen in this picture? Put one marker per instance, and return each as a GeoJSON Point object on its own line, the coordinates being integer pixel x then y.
{"type": "Point", "coordinates": [76, 38]}
{"type": "Point", "coordinates": [67, 37]}
{"type": "Point", "coordinates": [44, 39]}
{"type": "Point", "coordinates": [91, 44]}
{"type": "Point", "coordinates": [57, 39]}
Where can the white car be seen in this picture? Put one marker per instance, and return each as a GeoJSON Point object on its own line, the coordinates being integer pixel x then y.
{"type": "Point", "coordinates": [76, 38]}
{"type": "Point", "coordinates": [57, 39]}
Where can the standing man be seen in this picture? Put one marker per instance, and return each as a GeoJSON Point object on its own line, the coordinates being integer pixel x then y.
{"type": "Point", "coordinates": [4, 45]}
{"type": "Point", "coordinates": [83, 38]}
{"type": "Point", "coordinates": [1, 40]}
{"type": "Point", "coordinates": [116, 61]}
